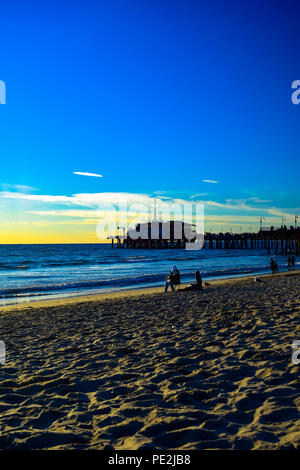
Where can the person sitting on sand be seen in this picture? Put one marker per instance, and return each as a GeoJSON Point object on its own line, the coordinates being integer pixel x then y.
{"type": "Point", "coordinates": [196, 285]}
{"type": "Point", "coordinates": [173, 279]}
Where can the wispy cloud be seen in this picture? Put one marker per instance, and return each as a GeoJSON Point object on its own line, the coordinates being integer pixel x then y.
{"type": "Point", "coordinates": [92, 200]}
{"type": "Point", "coordinates": [210, 181]}
{"type": "Point", "coordinates": [196, 196]}
{"type": "Point", "coordinates": [159, 193]}
{"type": "Point", "coordinates": [88, 208]}
{"type": "Point", "coordinates": [23, 188]}
{"type": "Point", "coordinates": [22, 222]}
{"type": "Point", "coordinates": [35, 197]}
{"type": "Point", "coordinates": [84, 173]}
{"type": "Point", "coordinates": [257, 199]}
{"type": "Point", "coordinates": [81, 213]}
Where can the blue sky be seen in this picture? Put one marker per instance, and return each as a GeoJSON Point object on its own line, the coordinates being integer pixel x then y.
{"type": "Point", "coordinates": [156, 96]}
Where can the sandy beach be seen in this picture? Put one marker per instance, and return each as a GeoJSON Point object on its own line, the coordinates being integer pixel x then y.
{"type": "Point", "coordinates": [148, 370]}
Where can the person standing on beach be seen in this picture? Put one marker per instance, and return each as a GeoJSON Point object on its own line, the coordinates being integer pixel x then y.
{"type": "Point", "coordinates": [289, 263]}
{"type": "Point", "coordinates": [293, 262]}
{"type": "Point", "coordinates": [272, 263]}
{"type": "Point", "coordinates": [274, 266]}
{"type": "Point", "coordinates": [173, 279]}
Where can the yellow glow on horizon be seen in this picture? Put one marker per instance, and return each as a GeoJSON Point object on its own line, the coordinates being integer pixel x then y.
{"type": "Point", "coordinates": [34, 235]}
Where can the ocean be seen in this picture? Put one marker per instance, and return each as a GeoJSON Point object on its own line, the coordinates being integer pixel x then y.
{"type": "Point", "coordinates": [37, 272]}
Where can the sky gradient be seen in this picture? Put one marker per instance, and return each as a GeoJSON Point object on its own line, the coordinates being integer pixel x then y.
{"type": "Point", "coordinates": [182, 100]}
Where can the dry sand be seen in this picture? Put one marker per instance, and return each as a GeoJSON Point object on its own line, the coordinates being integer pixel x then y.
{"type": "Point", "coordinates": [189, 370]}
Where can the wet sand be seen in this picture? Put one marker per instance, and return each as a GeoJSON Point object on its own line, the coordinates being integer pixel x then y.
{"type": "Point", "coordinates": [148, 370]}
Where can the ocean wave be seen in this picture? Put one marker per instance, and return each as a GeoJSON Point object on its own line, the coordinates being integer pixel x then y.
{"type": "Point", "coordinates": [77, 285]}
{"type": "Point", "coordinates": [129, 280]}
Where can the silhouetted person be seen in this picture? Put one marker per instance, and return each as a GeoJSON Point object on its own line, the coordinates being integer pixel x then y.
{"type": "Point", "coordinates": [293, 262]}
{"type": "Point", "coordinates": [198, 278]}
{"type": "Point", "coordinates": [196, 285]}
{"type": "Point", "coordinates": [272, 264]}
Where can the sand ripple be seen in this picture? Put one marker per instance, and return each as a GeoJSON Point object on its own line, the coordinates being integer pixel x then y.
{"type": "Point", "coordinates": [208, 370]}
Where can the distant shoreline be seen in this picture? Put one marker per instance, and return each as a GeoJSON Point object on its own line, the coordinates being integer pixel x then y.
{"type": "Point", "coordinates": [132, 292]}
{"type": "Point", "coordinates": [48, 272]}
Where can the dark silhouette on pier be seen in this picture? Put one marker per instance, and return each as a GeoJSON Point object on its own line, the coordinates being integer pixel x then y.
{"type": "Point", "coordinates": [280, 240]}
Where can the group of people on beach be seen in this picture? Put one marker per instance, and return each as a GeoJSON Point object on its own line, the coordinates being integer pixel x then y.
{"type": "Point", "coordinates": [174, 280]}
{"type": "Point", "coordinates": [291, 261]}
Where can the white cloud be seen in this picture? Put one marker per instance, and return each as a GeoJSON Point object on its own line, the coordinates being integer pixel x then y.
{"type": "Point", "coordinates": [22, 222]}
{"type": "Point", "coordinates": [210, 181]}
{"type": "Point", "coordinates": [17, 187]}
{"type": "Point", "coordinates": [83, 173]}
{"type": "Point", "coordinates": [196, 196]}
{"type": "Point", "coordinates": [91, 205]}
{"type": "Point", "coordinates": [89, 213]}
{"type": "Point", "coordinates": [160, 193]}
{"type": "Point", "coordinates": [35, 197]}
{"type": "Point", "coordinates": [92, 200]}
{"type": "Point", "coordinates": [257, 199]}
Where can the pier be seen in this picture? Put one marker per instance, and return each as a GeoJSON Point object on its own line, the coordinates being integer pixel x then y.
{"type": "Point", "coordinates": [278, 240]}
{"type": "Point", "coordinates": [281, 241]}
